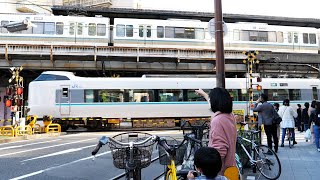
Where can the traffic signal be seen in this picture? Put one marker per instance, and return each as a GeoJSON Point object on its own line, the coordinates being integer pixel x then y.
{"type": "Point", "coordinates": [259, 88]}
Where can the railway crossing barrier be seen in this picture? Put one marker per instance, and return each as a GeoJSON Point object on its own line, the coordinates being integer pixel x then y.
{"type": "Point", "coordinates": [49, 126]}
{"type": "Point", "coordinates": [7, 131]}
{"type": "Point", "coordinates": [23, 130]}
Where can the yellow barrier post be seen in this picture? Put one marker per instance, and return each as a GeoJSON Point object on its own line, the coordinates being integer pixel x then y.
{"type": "Point", "coordinates": [7, 131]}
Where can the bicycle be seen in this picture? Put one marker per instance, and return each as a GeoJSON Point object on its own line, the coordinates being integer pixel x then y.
{"type": "Point", "coordinates": [130, 151]}
{"type": "Point", "coordinates": [200, 131]}
{"type": "Point", "coordinates": [171, 154]}
{"type": "Point", "coordinates": [262, 157]}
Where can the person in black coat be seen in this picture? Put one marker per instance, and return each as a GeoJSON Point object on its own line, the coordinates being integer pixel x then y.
{"type": "Point", "coordinates": [305, 117]}
{"type": "Point", "coordinates": [298, 119]}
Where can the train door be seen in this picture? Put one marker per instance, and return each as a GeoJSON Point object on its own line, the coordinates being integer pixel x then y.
{"type": "Point", "coordinates": [145, 34]}
{"type": "Point", "coordinates": [314, 93]}
{"type": "Point", "coordinates": [64, 100]}
{"type": "Point", "coordinates": [294, 40]}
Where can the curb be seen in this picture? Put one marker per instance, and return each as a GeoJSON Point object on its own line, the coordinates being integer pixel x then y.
{"type": "Point", "coordinates": [30, 137]}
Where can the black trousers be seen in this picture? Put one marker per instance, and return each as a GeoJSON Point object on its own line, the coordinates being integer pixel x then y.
{"type": "Point", "coordinates": [271, 131]}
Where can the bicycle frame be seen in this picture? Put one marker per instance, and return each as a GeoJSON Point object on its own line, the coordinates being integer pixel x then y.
{"type": "Point", "coordinates": [253, 145]}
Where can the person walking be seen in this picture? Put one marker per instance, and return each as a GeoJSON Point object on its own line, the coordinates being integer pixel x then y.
{"type": "Point", "coordinates": [223, 131]}
{"type": "Point", "coordinates": [287, 114]}
{"type": "Point", "coordinates": [311, 109]}
{"type": "Point", "coordinates": [276, 107]}
{"type": "Point", "coordinates": [298, 119]}
{"type": "Point", "coordinates": [265, 117]}
{"type": "Point", "coordinates": [315, 118]}
{"type": "Point", "coordinates": [305, 116]}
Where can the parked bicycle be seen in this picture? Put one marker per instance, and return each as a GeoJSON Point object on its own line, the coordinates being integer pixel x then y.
{"type": "Point", "coordinates": [130, 151]}
{"type": "Point", "coordinates": [172, 153]}
{"type": "Point", "coordinates": [262, 157]}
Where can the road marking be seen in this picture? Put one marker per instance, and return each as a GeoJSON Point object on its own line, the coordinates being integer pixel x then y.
{"type": "Point", "coordinates": [54, 167]}
{"type": "Point", "coordinates": [18, 146]}
{"type": "Point", "coordinates": [60, 153]}
{"type": "Point", "coordinates": [45, 147]}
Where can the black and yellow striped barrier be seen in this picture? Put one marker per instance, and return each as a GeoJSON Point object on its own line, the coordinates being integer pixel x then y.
{"type": "Point", "coordinates": [7, 131]}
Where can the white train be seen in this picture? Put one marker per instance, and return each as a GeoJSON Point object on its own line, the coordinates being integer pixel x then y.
{"type": "Point", "coordinates": [78, 99]}
{"type": "Point", "coordinates": [171, 33]}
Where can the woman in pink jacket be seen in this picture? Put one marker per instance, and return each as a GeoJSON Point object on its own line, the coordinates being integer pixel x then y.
{"type": "Point", "coordinates": [223, 132]}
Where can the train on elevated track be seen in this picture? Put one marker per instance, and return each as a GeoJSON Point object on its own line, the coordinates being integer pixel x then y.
{"type": "Point", "coordinates": [153, 33]}
{"type": "Point", "coordinates": [96, 103]}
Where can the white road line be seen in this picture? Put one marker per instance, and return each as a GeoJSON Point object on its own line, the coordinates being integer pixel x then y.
{"type": "Point", "coordinates": [54, 167]}
{"type": "Point", "coordinates": [60, 152]}
{"type": "Point", "coordinates": [18, 146]}
{"type": "Point", "coordinates": [45, 147]}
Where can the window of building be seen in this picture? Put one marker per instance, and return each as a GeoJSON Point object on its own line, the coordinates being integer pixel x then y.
{"type": "Point", "coordinates": [160, 32]}
{"type": "Point", "coordinates": [92, 29]}
{"type": "Point", "coordinates": [101, 29]}
{"type": "Point", "coordinates": [120, 30]}
{"type": "Point", "coordinates": [59, 28]}
{"type": "Point", "coordinates": [170, 95]}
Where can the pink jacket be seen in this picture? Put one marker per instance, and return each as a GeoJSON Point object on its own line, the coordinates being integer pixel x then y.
{"type": "Point", "coordinates": [223, 137]}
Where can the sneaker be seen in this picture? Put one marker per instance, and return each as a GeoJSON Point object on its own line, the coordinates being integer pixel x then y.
{"type": "Point", "coordinates": [318, 149]}
{"type": "Point", "coordinates": [295, 142]}
{"type": "Point", "coordinates": [282, 145]}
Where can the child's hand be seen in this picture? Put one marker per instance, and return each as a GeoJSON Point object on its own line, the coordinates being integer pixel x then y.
{"type": "Point", "coordinates": [190, 175]}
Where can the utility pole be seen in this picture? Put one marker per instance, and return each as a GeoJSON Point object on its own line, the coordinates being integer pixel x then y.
{"type": "Point", "coordinates": [220, 63]}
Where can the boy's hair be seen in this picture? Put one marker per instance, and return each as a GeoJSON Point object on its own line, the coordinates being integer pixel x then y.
{"type": "Point", "coordinates": [209, 161]}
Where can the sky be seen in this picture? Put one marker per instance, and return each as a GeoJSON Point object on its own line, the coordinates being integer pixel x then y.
{"type": "Point", "coordinates": [284, 8]}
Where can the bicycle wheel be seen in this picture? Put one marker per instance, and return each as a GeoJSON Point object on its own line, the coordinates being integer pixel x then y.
{"type": "Point", "coordinates": [267, 162]}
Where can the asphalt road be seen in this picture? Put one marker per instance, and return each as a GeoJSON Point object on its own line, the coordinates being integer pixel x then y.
{"type": "Point", "coordinates": [66, 157]}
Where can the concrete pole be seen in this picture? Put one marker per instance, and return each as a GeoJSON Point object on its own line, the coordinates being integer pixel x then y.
{"type": "Point", "coordinates": [220, 63]}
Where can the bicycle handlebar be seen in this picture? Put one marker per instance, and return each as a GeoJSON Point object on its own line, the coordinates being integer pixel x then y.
{"type": "Point", "coordinates": [104, 140]}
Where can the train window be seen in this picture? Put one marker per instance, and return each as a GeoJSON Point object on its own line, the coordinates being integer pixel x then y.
{"type": "Point", "coordinates": [71, 28]}
{"type": "Point", "coordinates": [189, 33]}
{"type": "Point", "coordinates": [108, 95]}
{"type": "Point", "coordinates": [92, 29]}
{"type": "Point", "coordinates": [148, 31]}
{"type": "Point", "coordinates": [59, 28]}
{"type": "Point", "coordinates": [178, 32]}
{"type": "Point", "coordinates": [51, 77]}
{"type": "Point", "coordinates": [160, 32]}
{"type": "Point", "coordinates": [295, 37]}
{"type": "Point", "coordinates": [169, 32]}
{"type": "Point", "coordinates": [88, 96]}
{"type": "Point", "coordinates": [140, 31]}
{"type": "Point", "coordinates": [80, 29]}
{"type": "Point", "coordinates": [101, 29]}
{"type": "Point", "coordinates": [236, 35]}
{"type": "Point", "coordinates": [294, 94]}
{"type": "Point", "coordinates": [278, 94]}
{"type": "Point", "coordinates": [315, 93]}
{"type": "Point", "coordinates": [305, 38]}
{"type": "Point", "coordinates": [234, 94]}
{"type": "Point", "coordinates": [170, 95]}
{"type": "Point", "coordinates": [38, 28]}
{"type": "Point", "coordinates": [129, 30]}
{"type": "Point", "coordinates": [65, 92]}
{"type": "Point", "coordinates": [192, 96]}
{"type": "Point", "coordinates": [2, 29]}
{"type": "Point", "coordinates": [280, 37]}
{"type": "Point", "coordinates": [49, 28]}
{"type": "Point", "coordinates": [272, 36]}
{"type": "Point", "coordinates": [312, 38]}
{"type": "Point", "coordinates": [120, 31]}
{"type": "Point", "coordinates": [199, 33]}
{"type": "Point", "coordinates": [141, 95]}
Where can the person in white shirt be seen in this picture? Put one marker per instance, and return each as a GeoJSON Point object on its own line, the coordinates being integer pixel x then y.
{"type": "Point", "coordinates": [287, 114]}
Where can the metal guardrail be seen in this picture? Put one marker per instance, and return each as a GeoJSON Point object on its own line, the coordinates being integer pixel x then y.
{"type": "Point", "coordinates": [7, 131]}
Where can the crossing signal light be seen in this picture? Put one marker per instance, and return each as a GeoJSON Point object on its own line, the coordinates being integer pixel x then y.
{"type": "Point", "coordinates": [259, 88]}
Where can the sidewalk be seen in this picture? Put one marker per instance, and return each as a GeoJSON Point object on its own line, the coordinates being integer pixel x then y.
{"type": "Point", "coordinates": [302, 162]}
{"type": "Point", "coordinates": [6, 139]}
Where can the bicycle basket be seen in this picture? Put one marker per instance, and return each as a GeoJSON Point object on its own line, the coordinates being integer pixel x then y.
{"type": "Point", "coordinates": [141, 153]}
{"type": "Point", "coordinates": [163, 157]}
